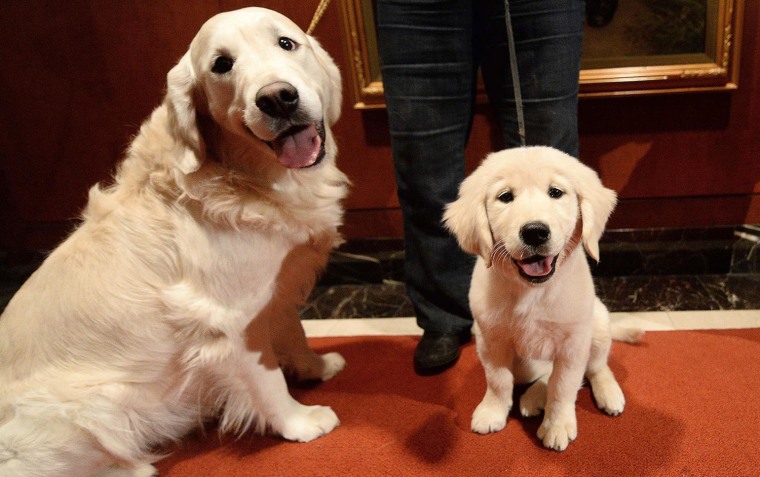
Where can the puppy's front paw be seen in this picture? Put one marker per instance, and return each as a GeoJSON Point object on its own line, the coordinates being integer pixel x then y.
{"type": "Point", "coordinates": [489, 417]}
{"type": "Point", "coordinates": [609, 397]}
{"type": "Point", "coordinates": [557, 433]}
{"type": "Point", "coordinates": [309, 423]}
{"type": "Point", "coordinates": [333, 363]}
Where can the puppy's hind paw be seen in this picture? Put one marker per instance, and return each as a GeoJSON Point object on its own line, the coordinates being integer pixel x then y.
{"type": "Point", "coordinates": [532, 403]}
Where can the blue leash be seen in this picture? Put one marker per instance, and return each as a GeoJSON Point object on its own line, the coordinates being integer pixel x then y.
{"type": "Point", "coordinates": [515, 74]}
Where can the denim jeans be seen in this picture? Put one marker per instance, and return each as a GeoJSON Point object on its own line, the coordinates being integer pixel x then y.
{"type": "Point", "coordinates": [430, 52]}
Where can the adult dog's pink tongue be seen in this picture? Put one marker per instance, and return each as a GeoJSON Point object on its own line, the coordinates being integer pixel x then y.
{"type": "Point", "coordinates": [536, 266]}
{"type": "Point", "coordinates": [298, 149]}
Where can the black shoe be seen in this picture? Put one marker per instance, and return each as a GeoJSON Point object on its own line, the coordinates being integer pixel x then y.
{"type": "Point", "coordinates": [436, 352]}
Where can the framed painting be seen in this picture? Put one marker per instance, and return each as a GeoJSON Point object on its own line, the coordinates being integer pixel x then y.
{"type": "Point", "coordinates": [638, 47]}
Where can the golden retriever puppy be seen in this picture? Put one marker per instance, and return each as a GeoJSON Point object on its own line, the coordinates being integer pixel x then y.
{"type": "Point", "coordinates": [525, 212]}
{"type": "Point", "coordinates": [176, 298]}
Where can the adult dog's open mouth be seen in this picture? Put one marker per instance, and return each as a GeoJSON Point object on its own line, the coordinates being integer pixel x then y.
{"type": "Point", "coordinates": [537, 268]}
{"type": "Point", "coordinates": [300, 146]}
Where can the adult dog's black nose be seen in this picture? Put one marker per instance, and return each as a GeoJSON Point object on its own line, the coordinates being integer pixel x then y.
{"type": "Point", "coordinates": [535, 233]}
{"type": "Point", "coordinates": [277, 100]}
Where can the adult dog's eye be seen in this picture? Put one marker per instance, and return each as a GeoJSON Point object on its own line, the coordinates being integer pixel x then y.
{"type": "Point", "coordinates": [286, 43]}
{"type": "Point", "coordinates": [555, 193]}
{"type": "Point", "coordinates": [506, 197]}
{"type": "Point", "coordinates": [222, 65]}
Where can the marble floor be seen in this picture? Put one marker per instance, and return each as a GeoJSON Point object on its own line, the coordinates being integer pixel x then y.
{"type": "Point", "coordinates": [670, 293]}
{"type": "Point", "coordinates": [657, 280]}
{"type": "Point", "coordinates": [662, 279]}
{"type": "Point", "coordinates": [647, 320]}
{"type": "Point", "coordinates": [641, 271]}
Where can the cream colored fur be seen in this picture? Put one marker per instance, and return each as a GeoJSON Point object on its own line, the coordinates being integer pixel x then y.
{"type": "Point", "coordinates": [549, 333]}
{"type": "Point", "coordinates": [176, 299]}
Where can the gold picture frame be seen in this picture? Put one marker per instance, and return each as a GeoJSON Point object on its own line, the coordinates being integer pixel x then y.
{"type": "Point", "coordinates": [709, 63]}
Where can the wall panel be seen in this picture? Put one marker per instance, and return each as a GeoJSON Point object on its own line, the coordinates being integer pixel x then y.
{"type": "Point", "coordinates": [79, 77]}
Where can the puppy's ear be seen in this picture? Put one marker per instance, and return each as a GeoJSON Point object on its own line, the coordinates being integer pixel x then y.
{"type": "Point", "coordinates": [333, 89]}
{"type": "Point", "coordinates": [596, 205]}
{"type": "Point", "coordinates": [467, 218]}
{"type": "Point", "coordinates": [180, 102]}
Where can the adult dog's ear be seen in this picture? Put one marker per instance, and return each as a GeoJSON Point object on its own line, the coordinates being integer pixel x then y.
{"type": "Point", "coordinates": [467, 218]}
{"type": "Point", "coordinates": [333, 90]}
{"type": "Point", "coordinates": [596, 205]}
{"type": "Point", "coordinates": [183, 124]}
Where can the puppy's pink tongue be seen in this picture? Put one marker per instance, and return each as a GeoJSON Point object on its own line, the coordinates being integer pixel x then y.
{"type": "Point", "coordinates": [536, 266]}
{"type": "Point", "coordinates": [298, 149]}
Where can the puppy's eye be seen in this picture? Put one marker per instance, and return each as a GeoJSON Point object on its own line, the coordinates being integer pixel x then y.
{"type": "Point", "coordinates": [286, 43]}
{"type": "Point", "coordinates": [506, 197]}
{"type": "Point", "coordinates": [222, 65]}
{"type": "Point", "coordinates": [555, 193]}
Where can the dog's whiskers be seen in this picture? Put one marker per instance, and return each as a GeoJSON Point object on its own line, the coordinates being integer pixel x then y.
{"type": "Point", "coordinates": [499, 252]}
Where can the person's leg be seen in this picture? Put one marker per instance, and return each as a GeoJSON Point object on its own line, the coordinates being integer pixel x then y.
{"type": "Point", "coordinates": [548, 41]}
{"type": "Point", "coordinates": [428, 77]}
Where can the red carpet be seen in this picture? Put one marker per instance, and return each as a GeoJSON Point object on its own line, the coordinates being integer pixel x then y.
{"type": "Point", "coordinates": [693, 409]}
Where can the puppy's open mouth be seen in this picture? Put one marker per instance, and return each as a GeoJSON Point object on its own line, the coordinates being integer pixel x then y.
{"type": "Point", "coordinates": [300, 146]}
{"type": "Point", "coordinates": [536, 269]}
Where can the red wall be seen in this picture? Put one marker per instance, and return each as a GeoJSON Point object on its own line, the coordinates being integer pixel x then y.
{"type": "Point", "coordinates": [78, 78]}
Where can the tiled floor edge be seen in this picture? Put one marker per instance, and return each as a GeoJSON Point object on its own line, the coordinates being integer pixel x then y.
{"type": "Point", "coordinates": [648, 321]}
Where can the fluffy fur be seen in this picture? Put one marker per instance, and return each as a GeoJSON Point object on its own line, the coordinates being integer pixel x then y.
{"type": "Point", "coordinates": [525, 212]}
{"type": "Point", "coordinates": [176, 298]}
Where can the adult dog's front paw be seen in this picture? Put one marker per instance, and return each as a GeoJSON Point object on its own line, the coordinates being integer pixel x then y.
{"type": "Point", "coordinates": [310, 366]}
{"type": "Point", "coordinates": [145, 470]}
{"type": "Point", "coordinates": [333, 363]}
{"type": "Point", "coordinates": [489, 417]}
{"type": "Point", "coordinates": [557, 433]}
{"type": "Point", "coordinates": [308, 423]}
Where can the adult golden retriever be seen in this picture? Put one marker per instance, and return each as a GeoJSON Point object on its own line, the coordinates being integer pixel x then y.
{"type": "Point", "coordinates": [525, 212]}
{"type": "Point", "coordinates": [176, 298]}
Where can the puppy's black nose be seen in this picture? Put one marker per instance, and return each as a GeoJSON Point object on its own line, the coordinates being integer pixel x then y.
{"type": "Point", "coordinates": [535, 233]}
{"type": "Point", "coordinates": [277, 100]}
